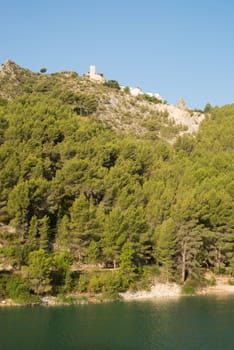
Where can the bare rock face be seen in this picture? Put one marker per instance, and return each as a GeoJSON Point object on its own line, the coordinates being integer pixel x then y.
{"type": "Point", "coordinates": [158, 290]}
{"type": "Point", "coordinates": [12, 70]}
{"type": "Point", "coordinates": [190, 119]}
{"type": "Point", "coordinates": [5, 267]}
{"type": "Point", "coordinates": [7, 68]}
{"type": "Point", "coordinates": [134, 112]}
{"type": "Point", "coordinates": [181, 103]}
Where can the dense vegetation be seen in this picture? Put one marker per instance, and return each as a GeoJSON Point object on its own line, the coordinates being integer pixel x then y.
{"type": "Point", "coordinates": [76, 194]}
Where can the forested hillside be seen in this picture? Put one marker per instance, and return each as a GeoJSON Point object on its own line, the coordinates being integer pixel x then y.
{"type": "Point", "coordinates": [74, 193]}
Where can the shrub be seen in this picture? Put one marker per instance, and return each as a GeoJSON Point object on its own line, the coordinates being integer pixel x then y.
{"type": "Point", "coordinates": [127, 90]}
{"type": "Point", "coordinates": [82, 284]}
{"type": "Point", "coordinates": [66, 299]}
{"type": "Point", "coordinates": [149, 98]}
{"type": "Point", "coordinates": [85, 104]}
{"type": "Point", "coordinates": [18, 290]}
{"type": "Point", "coordinates": [188, 289]}
{"type": "Point", "coordinates": [102, 281]}
{"type": "Point", "coordinates": [95, 285]}
{"type": "Point", "coordinates": [207, 108]}
{"type": "Point", "coordinates": [211, 281]}
{"type": "Point", "coordinates": [113, 84]}
{"type": "Point", "coordinates": [113, 296]}
{"type": "Point", "coordinates": [191, 285]}
{"type": "Point", "coordinates": [3, 281]}
{"type": "Point", "coordinates": [3, 101]}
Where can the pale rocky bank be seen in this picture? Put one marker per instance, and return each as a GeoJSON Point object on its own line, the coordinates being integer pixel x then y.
{"type": "Point", "coordinates": [160, 290]}
{"type": "Point", "coordinates": [157, 291]}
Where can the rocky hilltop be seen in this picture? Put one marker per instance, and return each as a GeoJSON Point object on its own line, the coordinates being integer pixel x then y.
{"type": "Point", "coordinates": [142, 115]}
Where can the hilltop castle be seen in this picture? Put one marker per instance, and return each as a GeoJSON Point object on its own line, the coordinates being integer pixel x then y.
{"type": "Point", "coordinates": [95, 76]}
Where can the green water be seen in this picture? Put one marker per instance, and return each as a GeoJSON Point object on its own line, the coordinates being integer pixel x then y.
{"type": "Point", "coordinates": [188, 323]}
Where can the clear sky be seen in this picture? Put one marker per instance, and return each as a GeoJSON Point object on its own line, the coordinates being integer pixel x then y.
{"type": "Point", "coordinates": [173, 47]}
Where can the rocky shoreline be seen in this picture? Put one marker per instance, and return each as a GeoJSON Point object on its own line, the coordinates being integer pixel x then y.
{"type": "Point", "coordinates": [218, 289]}
{"type": "Point", "coordinates": [157, 291]}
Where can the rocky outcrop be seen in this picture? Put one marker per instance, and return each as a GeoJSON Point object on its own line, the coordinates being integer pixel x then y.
{"type": "Point", "coordinates": [158, 290]}
{"type": "Point", "coordinates": [190, 119]}
{"type": "Point", "coordinates": [131, 111]}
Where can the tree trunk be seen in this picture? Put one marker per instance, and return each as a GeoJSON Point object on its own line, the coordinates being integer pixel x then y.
{"type": "Point", "coordinates": [183, 262]}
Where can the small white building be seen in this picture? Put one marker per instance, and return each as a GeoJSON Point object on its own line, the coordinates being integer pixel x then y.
{"type": "Point", "coordinates": [92, 75]}
{"type": "Point", "coordinates": [156, 95]}
{"type": "Point", "coordinates": [136, 91]}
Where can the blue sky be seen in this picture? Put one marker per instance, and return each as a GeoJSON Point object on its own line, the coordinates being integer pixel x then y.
{"type": "Point", "coordinates": [173, 47]}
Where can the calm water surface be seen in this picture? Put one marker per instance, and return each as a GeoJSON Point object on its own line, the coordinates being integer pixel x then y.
{"type": "Point", "coordinates": [188, 323]}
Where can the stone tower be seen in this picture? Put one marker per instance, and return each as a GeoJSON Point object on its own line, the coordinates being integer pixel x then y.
{"type": "Point", "coordinates": [95, 76]}
{"type": "Point", "coordinates": [92, 72]}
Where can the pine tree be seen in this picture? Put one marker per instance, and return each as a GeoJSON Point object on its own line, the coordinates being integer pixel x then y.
{"type": "Point", "coordinates": [44, 232]}
{"type": "Point", "coordinates": [38, 271]}
{"type": "Point", "coordinates": [166, 247]}
{"type": "Point", "coordinates": [31, 242]}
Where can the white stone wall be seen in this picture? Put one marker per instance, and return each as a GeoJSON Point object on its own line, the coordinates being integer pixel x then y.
{"type": "Point", "coordinates": [95, 76]}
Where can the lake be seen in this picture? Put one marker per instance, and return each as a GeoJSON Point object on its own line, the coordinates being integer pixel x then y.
{"type": "Point", "coordinates": [187, 323]}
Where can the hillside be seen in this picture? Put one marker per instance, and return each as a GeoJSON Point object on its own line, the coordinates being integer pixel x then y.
{"type": "Point", "coordinates": [137, 115]}
{"type": "Point", "coordinates": [93, 200]}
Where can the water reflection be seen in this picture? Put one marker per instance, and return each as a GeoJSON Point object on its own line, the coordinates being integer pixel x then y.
{"type": "Point", "coordinates": [193, 323]}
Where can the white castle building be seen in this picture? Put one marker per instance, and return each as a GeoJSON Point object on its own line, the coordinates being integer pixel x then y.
{"type": "Point", "coordinates": [95, 76]}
